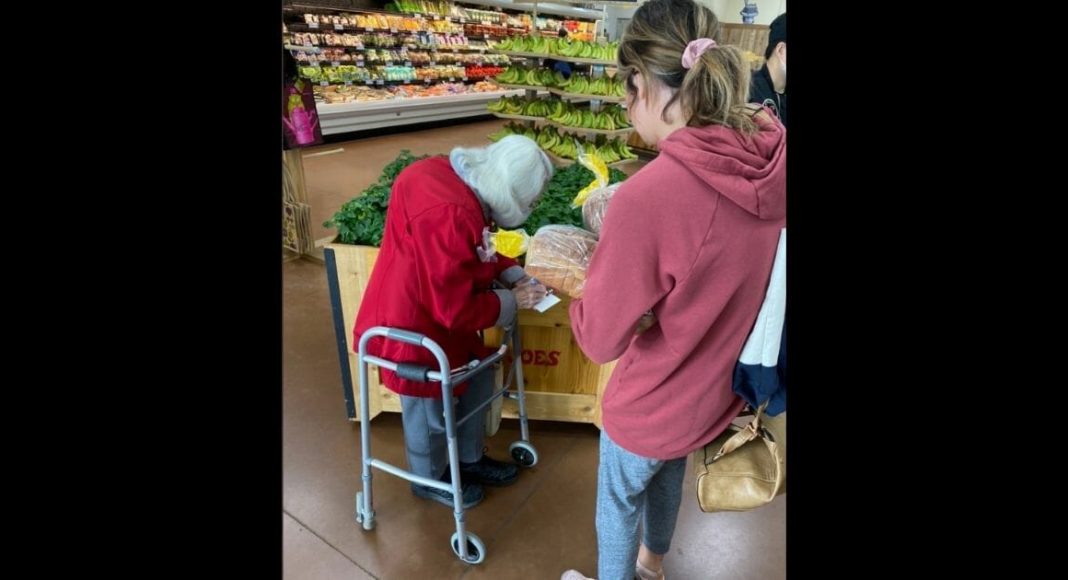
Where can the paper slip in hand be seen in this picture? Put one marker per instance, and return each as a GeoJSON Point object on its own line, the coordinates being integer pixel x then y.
{"type": "Point", "coordinates": [546, 303]}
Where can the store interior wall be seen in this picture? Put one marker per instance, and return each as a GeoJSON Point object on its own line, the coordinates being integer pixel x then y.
{"type": "Point", "coordinates": [730, 10]}
{"type": "Point", "coordinates": [726, 10]}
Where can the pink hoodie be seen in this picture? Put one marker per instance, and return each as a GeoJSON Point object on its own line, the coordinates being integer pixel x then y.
{"type": "Point", "coordinates": [691, 236]}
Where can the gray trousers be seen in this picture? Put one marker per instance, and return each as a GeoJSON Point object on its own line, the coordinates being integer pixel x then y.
{"type": "Point", "coordinates": [424, 428]}
{"type": "Point", "coordinates": [632, 489]}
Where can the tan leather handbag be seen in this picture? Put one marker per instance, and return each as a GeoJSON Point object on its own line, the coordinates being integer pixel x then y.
{"type": "Point", "coordinates": [745, 467]}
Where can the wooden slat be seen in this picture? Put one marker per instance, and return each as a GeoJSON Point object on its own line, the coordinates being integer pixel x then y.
{"type": "Point", "coordinates": [553, 407]}
{"type": "Point", "coordinates": [354, 266]}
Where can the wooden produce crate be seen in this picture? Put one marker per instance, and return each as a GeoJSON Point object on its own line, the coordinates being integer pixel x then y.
{"type": "Point", "coordinates": [562, 384]}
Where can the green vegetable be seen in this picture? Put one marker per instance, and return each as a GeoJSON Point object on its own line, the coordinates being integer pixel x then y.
{"type": "Point", "coordinates": [555, 205]}
{"type": "Point", "coordinates": [361, 221]}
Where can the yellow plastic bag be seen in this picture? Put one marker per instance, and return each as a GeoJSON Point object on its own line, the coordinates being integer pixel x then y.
{"type": "Point", "coordinates": [511, 243]}
{"type": "Point", "coordinates": [594, 163]}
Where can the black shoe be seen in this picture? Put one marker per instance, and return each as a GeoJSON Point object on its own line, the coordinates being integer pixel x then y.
{"type": "Point", "coordinates": [489, 471]}
{"type": "Point", "coordinates": [471, 493]}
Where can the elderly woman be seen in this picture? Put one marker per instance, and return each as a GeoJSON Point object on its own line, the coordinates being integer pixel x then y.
{"type": "Point", "coordinates": [435, 275]}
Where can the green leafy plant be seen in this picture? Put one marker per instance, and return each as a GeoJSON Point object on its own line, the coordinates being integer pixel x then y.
{"type": "Point", "coordinates": [554, 207]}
{"type": "Point", "coordinates": [362, 220]}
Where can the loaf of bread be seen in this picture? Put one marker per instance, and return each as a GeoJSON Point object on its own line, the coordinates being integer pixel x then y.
{"type": "Point", "coordinates": [595, 206]}
{"type": "Point", "coordinates": [558, 257]}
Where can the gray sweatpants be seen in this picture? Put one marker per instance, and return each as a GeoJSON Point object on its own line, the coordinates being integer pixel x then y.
{"type": "Point", "coordinates": [629, 488]}
{"type": "Point", "coordinates": [424, 428]}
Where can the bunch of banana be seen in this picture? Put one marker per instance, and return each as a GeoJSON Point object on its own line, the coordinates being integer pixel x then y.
{"type": "Point", "coordinates": [567, 147]}
{"type": "Point", "coordinates": [618, 115]}
{"type": "Point", "coordinates": [565, 48]}
{"type": "Point", "coordinates": [583, 49]}
{"type": "Point", "coordinates": [497, 106]}
{"type": "Point", "coordinates": [507, 44]}
{"type": "Point", "coordinates": [512, 76]}
{"type": "Point", "coordinates": [611, 118]}
{"type": "Point", "coordinates": [508, 129]}
{"type": "Point", "coordinates": [562, 112]}
{"type": "Point", "coordinates": [577, 84]}
{"type": "Point", "coordinates": [549, 138]}
{"type": "Point", "coordinates": [611, 150]}
{"type": "Point", "coordinates": [537, 108]}
{"type": "Point", "coordinates": [558, 107]}
{"type": "Point", "coordinates": [599, 86]}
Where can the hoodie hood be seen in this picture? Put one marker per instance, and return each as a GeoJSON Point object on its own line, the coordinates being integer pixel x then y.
{"type": "Point", "coordinates": [751, 172]}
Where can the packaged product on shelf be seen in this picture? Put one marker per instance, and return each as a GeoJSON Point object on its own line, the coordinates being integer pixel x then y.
{"type": "Point", "coordinates": [299, 116]}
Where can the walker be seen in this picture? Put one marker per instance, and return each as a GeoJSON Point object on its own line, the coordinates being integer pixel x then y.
{"type": "Point", "coordinates": [466, 545]}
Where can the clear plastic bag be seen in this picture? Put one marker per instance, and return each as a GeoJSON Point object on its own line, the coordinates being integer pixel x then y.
{"type": "Point", "coordinates": [594, 163]}
{"type": "Point", "coordinates": [558, 257]}
{"type": "Point", "coordinates": [596, 205]}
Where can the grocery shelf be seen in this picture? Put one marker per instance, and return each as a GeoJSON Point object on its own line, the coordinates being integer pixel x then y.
{"type": "Point", "coordinates": [523, 87]}
{"type": "Point", "coordinates": [517, 117]}
{"type": "Point", "coordinates": [615, 133]}
{"type": "Point", "coordinates": [585, 96]}
{"type": "Point", "coordinates": [347, 117]}
{"type": "Point", "coordinates": [564, 161]}
{"type": "Point", "coordinates": [578, 60]}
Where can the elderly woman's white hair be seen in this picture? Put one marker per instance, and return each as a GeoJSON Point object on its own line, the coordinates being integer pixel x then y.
{"type": "Point", "coordinates": [508, 176]}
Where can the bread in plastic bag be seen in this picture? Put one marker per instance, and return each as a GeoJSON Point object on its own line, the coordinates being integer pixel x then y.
{"type": "Point", "coordinates": [595, 206]}
{"type": "Point", "coordinates": [558, 257]}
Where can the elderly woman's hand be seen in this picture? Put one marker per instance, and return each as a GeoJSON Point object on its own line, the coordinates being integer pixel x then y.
{"type": "Point", "coordinates": [527, 294]}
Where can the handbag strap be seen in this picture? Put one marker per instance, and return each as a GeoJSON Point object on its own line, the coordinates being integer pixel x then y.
{"type": "Point", "coordinates": [744, 435]}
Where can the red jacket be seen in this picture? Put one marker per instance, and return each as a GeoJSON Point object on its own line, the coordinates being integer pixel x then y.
{"type": "Point", "coordinates": [428, 277]}
{"type": "Point", "coordinates": [691, 236]}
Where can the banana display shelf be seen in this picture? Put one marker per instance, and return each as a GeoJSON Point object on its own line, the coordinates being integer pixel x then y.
{"type": "Point", "coordinates": [605, 132]}
{"type": "Point", "coordinates": [585, 96]}
{"type": "Point", "coordinates": [574, 59]}
{"type": "Point", "coordinates": [537, 88]}
{"type": "Point", "coordinates": [562, 161]}
{"type": "Point", "coordinates": [567, 118]}
{"type": "Point", "coordinates": [564, 94]}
